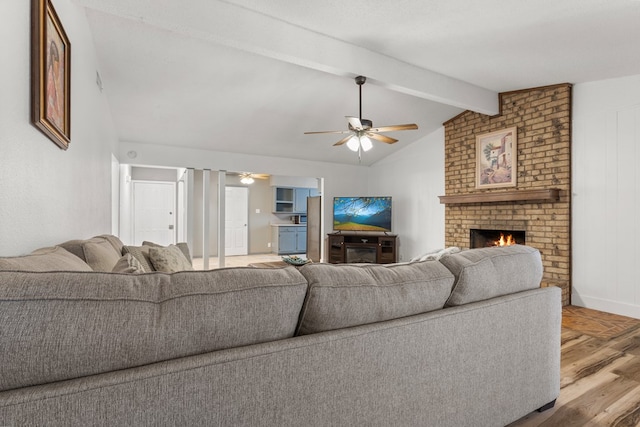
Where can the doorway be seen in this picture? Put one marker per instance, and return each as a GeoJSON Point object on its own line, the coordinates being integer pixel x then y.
{"type": "Point", "coordinates": [236, 221]}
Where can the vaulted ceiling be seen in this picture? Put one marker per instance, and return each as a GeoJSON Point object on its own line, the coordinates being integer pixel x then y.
{"type": "Point", "coordinates": [251, 76]}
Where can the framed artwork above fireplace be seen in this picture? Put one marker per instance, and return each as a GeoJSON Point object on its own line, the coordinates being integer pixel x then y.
{"type": "Point", "coordinates": [496, 164]}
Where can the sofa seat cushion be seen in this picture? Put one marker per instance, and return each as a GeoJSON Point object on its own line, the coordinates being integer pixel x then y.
{"type": "Point", "coordinates": [62, 325]}
{"type": "Point", "coordinates": [344, 295]}
{"type": "Point", "coordinates": [491, 272]}
{"type": "Point", "coordinates": [53, 258]}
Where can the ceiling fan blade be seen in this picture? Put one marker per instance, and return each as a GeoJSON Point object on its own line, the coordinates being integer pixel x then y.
{"type": "Point", "coordinates": [329, 131]}
{"type": "Point", "coordinates": [354, 122]}
{"type": "Point", "coordinates": [383, 138]}
{"type": "Point", "coordinates": [343, 140]}
{"type": "Point", "coordinates": [409, 126]}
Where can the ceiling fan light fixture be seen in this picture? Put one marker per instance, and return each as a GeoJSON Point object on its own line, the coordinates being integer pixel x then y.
{"type": "Point", "coordinates": [365, 143]}
{"type": "Point", "coordinates": [353, 144]}
{"type": "Point", "coordinates": [361, 130]}
{"type": "Point", "coordinates": [246, 179]}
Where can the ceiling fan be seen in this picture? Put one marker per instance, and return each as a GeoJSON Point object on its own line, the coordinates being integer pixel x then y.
{"type": "Point", "coordinates": [361, 131]}
{"type": "Point", "coordinates": [248, 177]}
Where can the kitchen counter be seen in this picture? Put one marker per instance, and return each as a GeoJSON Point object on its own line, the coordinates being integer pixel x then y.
{"type": "Point", "coordinates": [288, 224]}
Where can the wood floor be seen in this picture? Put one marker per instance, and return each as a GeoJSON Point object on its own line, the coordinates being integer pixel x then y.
{"type": "Point", "coordinates": [600, 372]}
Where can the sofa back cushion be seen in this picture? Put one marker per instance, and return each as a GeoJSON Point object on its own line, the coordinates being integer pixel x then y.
{"type": "Point", "coordinates": [56, 326]}
{"type": "Point", "coordinates": [343, 295]}
{"type": "Point", "coordinates": [490, 272]}
{"type": "Point", "coordinates": [53, 258]}
{"type": "Point", "coordinates": [75, 246]}
{"type": "Point", "coordinates": [114, 240]}
{"type": "Point", "coordinates": [100, 252]}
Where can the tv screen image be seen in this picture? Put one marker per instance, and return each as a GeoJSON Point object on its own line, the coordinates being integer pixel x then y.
{"type": "Point", "coordinates": [362, 213]}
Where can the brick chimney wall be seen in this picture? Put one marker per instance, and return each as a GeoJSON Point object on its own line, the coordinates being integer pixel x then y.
{"type": "Point", "coordinates": [543, 118]}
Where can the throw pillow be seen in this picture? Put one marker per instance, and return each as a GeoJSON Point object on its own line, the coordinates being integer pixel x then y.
{"type": "Point", "coordinates": [100, 254]}
{"type": "Point", "coordinates": [169, 259]}
{"type": "Point", "coordinates": [141, 253]}
{"type": "Point", "coordinates": [181, 245]}
{"type": "Point", "coordinates": [128, 264]}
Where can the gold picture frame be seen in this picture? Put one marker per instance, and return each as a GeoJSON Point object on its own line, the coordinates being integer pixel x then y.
{"type": "Point", "coordinates": [50, 74]}
{"type": "Point", "coordinates": [496, 159]}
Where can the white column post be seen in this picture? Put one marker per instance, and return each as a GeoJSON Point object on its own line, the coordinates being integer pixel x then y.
{"type": "Point", "coordinates": [189, 210]}
{"type": "Point", "coordinates": [222, 195]}
{"type": "Point", "coordinates": [206, 179]}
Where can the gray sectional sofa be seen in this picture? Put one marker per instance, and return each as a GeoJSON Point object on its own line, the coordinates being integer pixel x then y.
{"type": "Point", "coordinates": [469, 340]}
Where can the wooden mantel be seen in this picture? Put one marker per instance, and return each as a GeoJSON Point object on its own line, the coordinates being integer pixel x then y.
{"type": "Point", "coordinates": [548, 195]}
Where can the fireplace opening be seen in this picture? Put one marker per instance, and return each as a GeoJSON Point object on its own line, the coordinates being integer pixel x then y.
{"type": "Point", "coordinates": [481, 238]}
{"type": "Point", "coordinates": [360, 254]}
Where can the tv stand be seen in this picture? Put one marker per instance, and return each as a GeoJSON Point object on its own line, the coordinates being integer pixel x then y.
{"type": "Point", "coordinates": [378, 248]}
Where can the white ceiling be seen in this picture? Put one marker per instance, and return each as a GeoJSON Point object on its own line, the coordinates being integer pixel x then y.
{"type": "Point", "coordinates": [250, 76]}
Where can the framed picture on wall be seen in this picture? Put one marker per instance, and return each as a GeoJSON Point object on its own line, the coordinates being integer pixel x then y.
{"type": "Point", "coordinates": [496, 164]}
{"type": "Point", "coordinates": [50, 74]}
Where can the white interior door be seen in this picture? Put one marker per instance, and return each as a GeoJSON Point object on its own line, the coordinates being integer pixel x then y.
{"type": "Point", "coordinates": [154, 206]}
{"type": "Point", "coordinates": [236, 221]}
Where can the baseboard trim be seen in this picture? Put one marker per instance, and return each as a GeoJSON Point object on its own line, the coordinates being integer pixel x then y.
{"type": "Point", "coordinates": [615, 307]}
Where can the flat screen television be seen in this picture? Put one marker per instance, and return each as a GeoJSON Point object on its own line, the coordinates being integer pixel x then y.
{"type": "Point", "coordinates": [362, 214]}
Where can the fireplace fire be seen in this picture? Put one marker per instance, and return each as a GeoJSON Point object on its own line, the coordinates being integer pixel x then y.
{"type": "Point", "coordinates": [481, 238]}
{"type": "Point", "coordinates": [508, 241]}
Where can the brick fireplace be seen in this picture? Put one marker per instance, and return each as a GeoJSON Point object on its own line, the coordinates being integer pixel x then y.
{"type": "Point", "coordinates": [539, 206]}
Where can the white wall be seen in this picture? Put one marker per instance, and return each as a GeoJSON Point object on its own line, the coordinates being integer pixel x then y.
{"type": "Point", "coordinates": [606, 195]}
{"type": "Point", "coordinates": [414, 177]}
{"type": "Point", "coordinates": [48, 195]}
